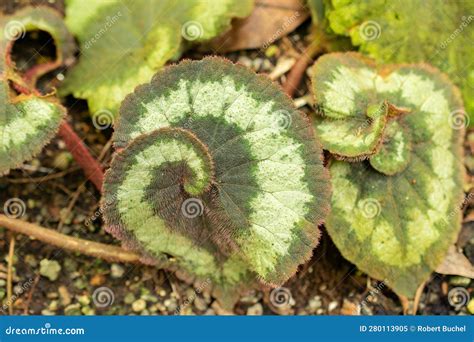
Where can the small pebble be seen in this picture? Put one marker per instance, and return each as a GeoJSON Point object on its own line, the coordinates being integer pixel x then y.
{"type": "Point", "coordinates": [171, 304]}
{"type": "Point", "coordinates": [97, 280]}
{"type": "Point", "coordinates": [47, 312]}
{"type": "Point", "coordinates": [62, 160]}
{"type": "Point", "coordinates": [460, 281]}
{"type": "Point", "coordinates": [200, 304]}
{"type": "Point", "coordinates": [139, 305]}
{"type": "Point", "coordinates": [64, 295]}
{"type": "Point", "coordinates": [315, 303]}
{"type": "Point", "coordinates": [129, 298]}
{"type": "Point", "coordinates": [470, 306]}
{"type": "Point", "coordinates": [116, 271]}
{"type": "Point", "coordinates": [50, 269]}
{"type": "Point", "coordinates": [255, 310]}
{"type": "Point", "coordinates": [83, 300]}
{"type": "Point", "coordinates": [73, 310]}
{"type": "Point", "coordinates": [88, 311]}
{"type": "Point", "coordinates": [332, 306]}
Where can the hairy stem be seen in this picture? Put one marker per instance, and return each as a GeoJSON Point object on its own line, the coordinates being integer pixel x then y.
{"type": "Point", "coordinates": [81, 154]}
{"type": "Point", "coordinates": [52, 237]}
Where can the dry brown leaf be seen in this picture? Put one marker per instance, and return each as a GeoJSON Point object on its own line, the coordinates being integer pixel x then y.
{"type": "Point", "coordinates": [456, 263]}
{"type": "Point", "coordinates": [269, 21]}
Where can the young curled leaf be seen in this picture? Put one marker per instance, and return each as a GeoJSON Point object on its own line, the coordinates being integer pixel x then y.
{"type": "Point", "coordinates": [396, 215]}
{"type": "Point", "coordinates": [39, 18]}
{"type": "Point", "coordinates": [218, 170]}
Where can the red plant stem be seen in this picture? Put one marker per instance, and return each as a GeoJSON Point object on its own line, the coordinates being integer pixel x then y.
{"type": "Point", "coordinates": [295, 75]}
{"type": "Point", "coordinates": [75, 145]}
{"type": "Point", "coordinates": [92, 168]}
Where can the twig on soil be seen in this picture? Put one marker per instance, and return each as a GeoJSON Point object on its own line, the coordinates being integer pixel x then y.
{"type": "Point", "coordinates": [70, 206]}
{"type": "Point", "coordinates": [81, 154]}
{"type": "Point", "coordinates": [11, 251]}
{"type": "Point", "coordinates": [52, 237]}
{"type": "Point", "coordinates": [42, 179]}
{"type": "Point", "coordinates": [30, 294]}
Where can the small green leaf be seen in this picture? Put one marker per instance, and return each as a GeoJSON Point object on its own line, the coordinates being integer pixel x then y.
{"type": "Point", "coordinates": [28, 121]}
{"type": "Point", "coordinates": [395, 152]}
{"type": "Point", "coordinates": [396, 216]}
{"type": "Point", "coordinates": [351, 116]}
{"type": "Point", "coordinates": [219, 171]}
{"type": "Point", "coordinates": [394, 32]}
{"type": "Point", "coordinates": [123, 43]}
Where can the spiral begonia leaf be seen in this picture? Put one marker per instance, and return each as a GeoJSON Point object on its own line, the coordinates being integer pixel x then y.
{"type": "Point", "coordinates": [396, 215]}
{"type": "Point", "coordinates": [231, 145]}
{"type": "Point", "coordinates": [392, 32]}
{"type": "Point", "coordinates": [28, 121]}
{"type": "Point", "coordinates": [123, 43]}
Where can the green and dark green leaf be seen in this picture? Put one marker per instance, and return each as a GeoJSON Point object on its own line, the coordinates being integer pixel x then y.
{"type": "Point", "coordinates": [230, 145]}
{"type": "Point", "coordinates": [395, 215]}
